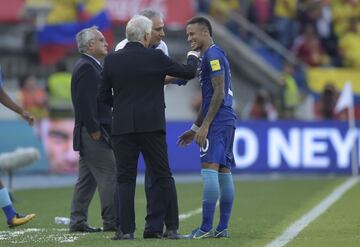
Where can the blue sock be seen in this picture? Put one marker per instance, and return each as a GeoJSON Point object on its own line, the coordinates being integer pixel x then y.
{"type": "Point", "coordinates": [226, 199]}
{"type": "Point", "coordinates": [6, 205]}
{"type": "Point", "coordinates": [210, 197]}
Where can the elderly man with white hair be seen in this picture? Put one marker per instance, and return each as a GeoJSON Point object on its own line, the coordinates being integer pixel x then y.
{"type": "Point", "coordinates": [156, 42]}
{"type": "Point", "coordinates": [136, 77]}
{"type": "Point", "coordinates": [92, 122]}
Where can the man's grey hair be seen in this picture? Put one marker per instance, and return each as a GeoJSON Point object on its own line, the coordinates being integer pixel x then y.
{"type": "Point", "coordinates": [150, 13]}
{"type": "Point", "coordinates": [137, 27]}
{"type": "Point", "coordinates": [84, 37]}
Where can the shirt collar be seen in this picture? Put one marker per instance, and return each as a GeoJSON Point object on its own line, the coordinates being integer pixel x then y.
{"type": "Point", "coordinates": [97, 61]}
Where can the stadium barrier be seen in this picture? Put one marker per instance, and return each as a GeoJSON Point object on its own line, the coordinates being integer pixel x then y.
{"type": "Point", "coordinates": [278, 146]}
{"type": "Point", "coordinates": [259, 147]}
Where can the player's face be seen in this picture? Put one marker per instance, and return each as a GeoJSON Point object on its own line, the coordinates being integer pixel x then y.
{"type": "Point", "coordinates": [99, 46]}
{"type": "Point", "coordinates": [196, 36]}
{"type": "Point", "coordinates": [157, 32]}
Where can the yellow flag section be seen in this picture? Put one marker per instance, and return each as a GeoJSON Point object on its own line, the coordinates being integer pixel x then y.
{"type": "Point", "coordinates": [319, 77]}
{"type": "Point", "coordinates": [63, 11]}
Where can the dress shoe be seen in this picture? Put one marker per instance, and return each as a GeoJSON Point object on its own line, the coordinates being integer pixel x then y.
{"type": "Point", "coordinates": [119, 235]}
{"type": "Point", "coordinates": [148, 234]}
{"type": "Point", "coordinates": [172, 234]}
{"type": "Point", "coordinates": [84, 228]}
{"type": "Point", "coordinates": [19, 220]}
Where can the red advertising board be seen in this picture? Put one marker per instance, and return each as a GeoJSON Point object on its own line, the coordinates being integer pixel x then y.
{"type": "Point", "coordinates": [10, 11]}
{"type": "Point", "coordinates": [175, 12]}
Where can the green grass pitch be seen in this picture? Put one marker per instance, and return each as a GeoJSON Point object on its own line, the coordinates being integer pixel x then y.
{"type": "Point", "coordinates": [262, 210]}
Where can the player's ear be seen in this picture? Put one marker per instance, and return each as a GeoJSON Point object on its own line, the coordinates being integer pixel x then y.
{"type": "Point", "coordinates": [90, 45]}
{"type": "Point", "coordinates": [206, 32]}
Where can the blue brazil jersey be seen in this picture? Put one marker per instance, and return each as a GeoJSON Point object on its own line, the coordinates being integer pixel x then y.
{"type": "Point", "coordinates": [214, 63]}
{"type": "Point", "coordinates": [220, 138]}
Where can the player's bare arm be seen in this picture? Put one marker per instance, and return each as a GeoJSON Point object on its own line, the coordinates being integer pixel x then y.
{"type": "Point", "coordinates": [9, 103]}
{"type": "Point", "coordinates": [216, 100]}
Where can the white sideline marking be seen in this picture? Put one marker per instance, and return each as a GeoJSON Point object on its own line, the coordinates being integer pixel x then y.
{"type": "Point", "coordinates": [32, 235]}
{"type": "Point", "coordinates": [293, 230]}
{"type": "Point", "coordinates": [192, 213]}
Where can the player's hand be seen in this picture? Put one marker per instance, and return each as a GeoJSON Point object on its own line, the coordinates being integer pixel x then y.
{"type": "Point", "coordinates": [186, 138]}
{"type": "Point", "coordinates": [28, 117]}
{"type": "Point", "coordinates": [96, 135]}
{"type": "Point", "coordinates": [193, 53]}
{"type": "Point", "coordinates": [201, 134]}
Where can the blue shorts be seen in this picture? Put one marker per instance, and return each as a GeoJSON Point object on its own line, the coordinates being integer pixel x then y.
{"type": "Point", "coordinates": [218, 147]}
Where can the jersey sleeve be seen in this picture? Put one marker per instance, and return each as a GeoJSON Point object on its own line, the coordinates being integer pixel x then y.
{"type": "Point", "coordinates": [215, 62]}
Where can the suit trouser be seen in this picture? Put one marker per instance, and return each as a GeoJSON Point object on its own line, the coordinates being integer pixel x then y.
{"type": "Point", "coordinates": [161, 192]}
{"type": "Point", "coordinates": [171, 216]}
{"type": "Point", "coordinates": [96, 169]}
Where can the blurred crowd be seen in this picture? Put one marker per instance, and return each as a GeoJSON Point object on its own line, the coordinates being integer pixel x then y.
{"type": "Point", "coordinates": [319, 32]}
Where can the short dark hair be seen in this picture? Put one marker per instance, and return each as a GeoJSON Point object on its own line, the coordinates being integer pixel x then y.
{"type": "Point", "coordinates": [201, 21]}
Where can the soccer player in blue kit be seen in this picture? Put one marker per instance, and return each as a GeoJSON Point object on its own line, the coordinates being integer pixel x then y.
{"type": "Point", "coordinates": [213, 130]}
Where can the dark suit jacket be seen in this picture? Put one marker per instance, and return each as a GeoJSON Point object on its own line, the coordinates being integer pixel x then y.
{"type": "Point", "coordinates": [89, 112]}
{"type": "Point", "coordinates": [136, 74]}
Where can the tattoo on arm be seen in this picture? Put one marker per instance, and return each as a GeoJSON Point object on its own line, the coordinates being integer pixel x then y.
{"type": "Point", "coordinates": [216, 100]}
